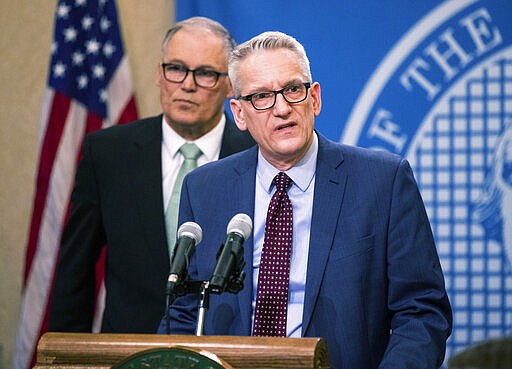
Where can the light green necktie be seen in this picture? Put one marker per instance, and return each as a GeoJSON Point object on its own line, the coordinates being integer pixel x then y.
{"type": "Point", "coordinates": [190, 152]}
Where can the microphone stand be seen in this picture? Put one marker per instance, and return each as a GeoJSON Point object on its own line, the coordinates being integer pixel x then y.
{"type": "Point", "coordinates": [235, 284]}
{"type": "Point", "coordinates": [203, 305]}
{"type": "Point", "coordinates": [170, 296]}
{"type": "Point", "coordinates": [182, 288]}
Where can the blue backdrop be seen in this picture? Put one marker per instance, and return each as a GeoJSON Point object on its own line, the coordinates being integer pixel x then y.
{"type": "Point", "coordinates": [345, 40]}
{"type": "Point", "coordinates": [432, 81]}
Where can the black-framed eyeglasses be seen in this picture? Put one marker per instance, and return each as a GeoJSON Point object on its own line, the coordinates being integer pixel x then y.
{"type": "Point", "coordinates": [203, 77]}
{"type": "Point", "coordinates": [293, 93]}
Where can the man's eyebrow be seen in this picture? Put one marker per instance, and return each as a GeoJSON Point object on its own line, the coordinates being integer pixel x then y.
{"type": "Point", "coordinates": [181, 62]}
{"type": "Point", "coordinates": [291, 82]}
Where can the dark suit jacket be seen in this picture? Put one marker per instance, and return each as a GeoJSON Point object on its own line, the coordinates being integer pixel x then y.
{"type": "Point", "coordinates": [373, 268]}
{"type": "Point", "coordinates": [118, 201]}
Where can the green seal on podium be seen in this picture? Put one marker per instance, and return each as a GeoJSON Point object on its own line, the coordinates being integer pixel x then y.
{"type": "Point", "coordinates": [175, 357]}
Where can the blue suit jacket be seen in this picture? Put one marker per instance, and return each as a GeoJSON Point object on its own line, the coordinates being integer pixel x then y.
{"type": "Point", "coordinates": [374, 290]}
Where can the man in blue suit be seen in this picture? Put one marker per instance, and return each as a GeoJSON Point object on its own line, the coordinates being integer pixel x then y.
{"type": "Point", "coordinates": [364, 271]}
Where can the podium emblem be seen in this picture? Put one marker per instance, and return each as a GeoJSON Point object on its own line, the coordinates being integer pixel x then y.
{"type": "Point", "coordinates": [173, 358]}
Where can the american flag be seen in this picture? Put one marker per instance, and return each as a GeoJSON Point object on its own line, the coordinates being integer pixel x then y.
{"type": "Point", "coordinates": [89, 88]}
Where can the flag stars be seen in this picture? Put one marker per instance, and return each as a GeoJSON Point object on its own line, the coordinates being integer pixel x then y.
{"type": "Point", "coordinates": [63, 11]}
{"type": "Point", "coordinates": [92, 46]}
{"type": "Point", "coordinates": [78, 58]}
{"type": "Point", "coordinates": [70, 34]}
{"type": "Point", "coordinates": [98, 71]}
{"type": "Point", "coordinates": [85, 51]}
{"type": "Point", "coordinates": [87, 22]}
{"type": "Point", "coordinates": [59, 69]}
{"type": "Point", "coordinates": [82, 81]}
{"type": "Point", "coordinates": [108, 49]}
{"type": "Point", "coordinates": [103, 95]}
{"type": "Point", "coordinates": [104, 24]}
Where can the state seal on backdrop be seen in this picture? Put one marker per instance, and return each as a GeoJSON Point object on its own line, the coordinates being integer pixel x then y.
{"type": "Point", "coordinates": [442, 98]}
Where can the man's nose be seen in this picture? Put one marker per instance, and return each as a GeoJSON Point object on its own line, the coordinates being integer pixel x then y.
{"type": "Point", "coordinates": [189, 83]}
{"type": "Point", "coordinates": [281, 106]}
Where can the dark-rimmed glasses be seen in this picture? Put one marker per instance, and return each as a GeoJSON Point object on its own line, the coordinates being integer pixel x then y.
{"type": "Point", "coordinates": [293, 93]}
{"type": "Point", "coordinates": [203, 77]}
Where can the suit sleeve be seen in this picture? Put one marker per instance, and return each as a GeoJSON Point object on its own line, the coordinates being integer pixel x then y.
{"type": "Point", "coordinates": [418, 305]}
{"type": "Point", "coordinates": [73, 297]}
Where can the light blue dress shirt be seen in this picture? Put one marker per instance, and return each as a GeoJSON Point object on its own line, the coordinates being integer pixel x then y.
{"type": "Point", "coordinates": [301, 196]}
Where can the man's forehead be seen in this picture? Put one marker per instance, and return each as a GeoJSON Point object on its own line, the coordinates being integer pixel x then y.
{"type": "Point", "coordinates": [199, 39]}
{"type": "Point", "coordinates": [200, 47]}
{"type": "Point", "coordinates": [280, 52]}
{"type": "Point", "coordinates": [270, 68]}
{"type": "Point", "coordinates": [268, 60]}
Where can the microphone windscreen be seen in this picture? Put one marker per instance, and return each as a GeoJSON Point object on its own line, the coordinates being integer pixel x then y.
{"type": "Point", "coordinates": [241, 224]}
{"type": "Point", "coordinates": [192, 230]}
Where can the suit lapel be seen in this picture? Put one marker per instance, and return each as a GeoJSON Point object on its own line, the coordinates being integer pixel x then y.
{"type": "Point", "coordinates": [244, 190]}
{"type": "Point", "coordinates": [146, 180]}
{"type": "Point", "coordinates": [329, 190]}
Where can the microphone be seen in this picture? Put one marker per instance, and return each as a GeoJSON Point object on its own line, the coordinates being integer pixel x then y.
{"type": "Point", "coordinates": [189, 235]}
{"type": "Point", "coordinates": [230, 256]}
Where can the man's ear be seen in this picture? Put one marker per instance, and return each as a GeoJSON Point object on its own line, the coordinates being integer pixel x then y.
{"type": "Point", "coordinates": [229, 93]}
{"type": "Point", "coordinates": [158, 74]}
{"type": "Point", "coordinates": [317, 98]}
{"type": "Point", "coordinates": [238, 114]}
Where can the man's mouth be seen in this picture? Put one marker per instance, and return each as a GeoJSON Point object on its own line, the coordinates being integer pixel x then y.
{"type": "Point", "coordinates": [284, 126]}
{"type": "Point", "coordinates": [185, 101]}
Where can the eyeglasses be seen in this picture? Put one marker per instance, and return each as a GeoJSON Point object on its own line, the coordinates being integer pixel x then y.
{"type": "Point", "coordinates": [294, 93]}
{"type": "Point", "coordinates": [203, 77]}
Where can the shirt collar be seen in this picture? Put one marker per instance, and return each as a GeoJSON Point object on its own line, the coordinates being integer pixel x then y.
{"type": "Point", "coordinates": [301, 173]}
{"type": "Point", "coordinates": [209, 144]}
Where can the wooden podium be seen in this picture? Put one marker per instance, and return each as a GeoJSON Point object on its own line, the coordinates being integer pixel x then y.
{"type": "Point", "coordinates": [101, 351]}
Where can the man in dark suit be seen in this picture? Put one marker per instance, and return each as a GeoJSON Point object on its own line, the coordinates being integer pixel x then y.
{"type": "Point", "coordinates": [124, 182]}
{"type": "Point", "coordinates": [364, 273]}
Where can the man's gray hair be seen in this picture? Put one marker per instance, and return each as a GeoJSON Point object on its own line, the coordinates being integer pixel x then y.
{"type": "Point", "coordinates": [266, 41]}
{"type": "Point", "coordinates": [205, 24]}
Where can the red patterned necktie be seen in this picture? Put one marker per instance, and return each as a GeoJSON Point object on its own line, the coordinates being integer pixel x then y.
{"type": "Point", "coordinates": [274, 274]}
